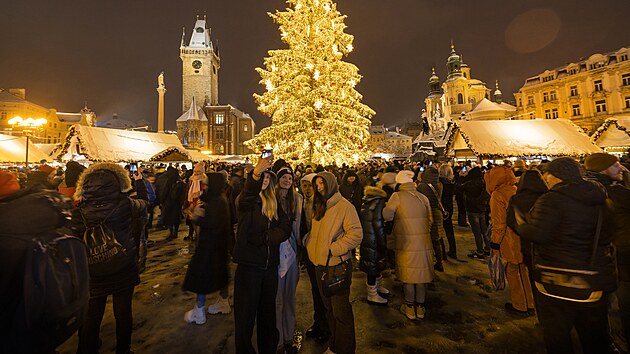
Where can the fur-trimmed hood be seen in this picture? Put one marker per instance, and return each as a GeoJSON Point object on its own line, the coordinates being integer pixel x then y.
{"type": "Point", "coordinates": [104, 180]}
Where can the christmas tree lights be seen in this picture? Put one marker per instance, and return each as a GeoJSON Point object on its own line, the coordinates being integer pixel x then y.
{"type": "Point", "coordinates": [316, 113]}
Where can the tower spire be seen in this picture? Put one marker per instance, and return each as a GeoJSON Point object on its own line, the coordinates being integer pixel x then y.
{"type": "Point", "coordinates": [497, 92]}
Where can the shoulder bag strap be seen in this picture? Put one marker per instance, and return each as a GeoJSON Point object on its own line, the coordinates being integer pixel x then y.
{"type": "Point", "coordinates": [437, 196]}
{"type": "Point", "coordinates": [600, 216]}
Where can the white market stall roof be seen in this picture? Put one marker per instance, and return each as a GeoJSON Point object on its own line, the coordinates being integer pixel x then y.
{"type": "Point", "coordinates": [613, 133]}
{"type": "Point", "coordinates": [175, 153]}
{"type": "Point", "coordinates": [48, 149]}
{"type": "Point", "coordinates": [115, 145]}
{"type": "Point", "coordinates": [509, 138]}
{"type": "Point", "coordinates": [13, 149]}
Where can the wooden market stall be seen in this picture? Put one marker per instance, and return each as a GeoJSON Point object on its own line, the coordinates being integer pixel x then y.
{"type": "Point", "coordinates": [114, 145]}
{"type": "Point", "coordinates": [498, 139]}
{"type": "Point", "coordinates": [614, 135]}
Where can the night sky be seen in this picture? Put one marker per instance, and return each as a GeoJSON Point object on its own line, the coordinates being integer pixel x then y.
{"type": "Point", "coordinates": [110, 52]}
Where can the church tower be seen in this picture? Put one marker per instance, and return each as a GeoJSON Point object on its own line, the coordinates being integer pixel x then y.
{"type": "Point", "coordinates": [200, 67]}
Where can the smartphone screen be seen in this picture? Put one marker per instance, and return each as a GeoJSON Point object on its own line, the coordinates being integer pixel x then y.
{"type": "Point", "coordinates": [266, 153]}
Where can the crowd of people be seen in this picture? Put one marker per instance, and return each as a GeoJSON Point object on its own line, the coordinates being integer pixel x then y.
{"type": "Point", "coordinates": [559, 229]}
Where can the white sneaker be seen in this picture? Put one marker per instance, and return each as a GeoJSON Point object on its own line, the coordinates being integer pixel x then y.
{"type": "Point", "coordinates": [222, 306]}
{"type": "Point", "coordinates": [196, 315]}
{"type": "Point", "coordinates": [380, 287]}
{"type": "Point", "coordinates": [373, 297]}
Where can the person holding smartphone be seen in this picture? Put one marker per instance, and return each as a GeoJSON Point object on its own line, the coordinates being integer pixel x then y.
{"type": "Point", "coordinates": [262, 227]}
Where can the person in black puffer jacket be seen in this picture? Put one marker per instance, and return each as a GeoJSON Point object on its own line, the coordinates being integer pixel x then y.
{"type": "Point", "coordinates": [262, 227]}
{"type": "Point", "coordinates": [476, 201]}
{"type": "Point", "coordinates": [448, 191]}
{"type": "Point", "coordinates": [562, 224]}
{"type": "Point", "coordinates": [103, 197]}
{"type": "Point", "coordinates": [374, 243]}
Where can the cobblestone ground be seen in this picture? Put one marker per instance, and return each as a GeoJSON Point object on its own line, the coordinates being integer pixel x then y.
{"type": "Point", "coordinates": [464, 314]}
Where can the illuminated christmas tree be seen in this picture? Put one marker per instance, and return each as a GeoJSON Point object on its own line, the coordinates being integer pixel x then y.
{"type": "Point", "coordinates": [316, 114]}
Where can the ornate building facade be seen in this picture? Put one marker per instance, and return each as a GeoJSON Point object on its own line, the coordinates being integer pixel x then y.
{"type": "Point", "coordinates": [205, 124]}
{"type": "Point", "coordinates": [587, 91]}
{"type": "Point", "coordinates": [13, 103]}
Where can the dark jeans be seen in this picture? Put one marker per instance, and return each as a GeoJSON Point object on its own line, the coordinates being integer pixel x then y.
{"type": "Point", "coordinates": [558, 317]}
{"type": "Point", "coordinates": [255, 302]}
{"type": "Point", "coordinates": [340, 319]}
{"type": "Point", "coordinates": [89, 332]}
{"type": "Point", "coordinates": [479, 229]}
{"type": "Point", "coordinates": [319, 310]}
{"type": "Point", "coordinates": [450, 232]}
{"type": "Point", "coordinates": [623, 295]}
{"type": "Point", "coordinates": [461, 208]}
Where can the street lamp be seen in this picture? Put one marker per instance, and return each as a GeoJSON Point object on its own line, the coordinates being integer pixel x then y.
{"type": "Point", "coordinates": [27, 124]}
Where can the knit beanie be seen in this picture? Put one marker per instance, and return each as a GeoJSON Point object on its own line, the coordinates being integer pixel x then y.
{"type": "Point", "coordinates": [565, 168]}
{"type": "Point", "coordinates": [404, 176]}
{"type": "Point", "coordinates": [284, 171]}
{"type": "Point", "coordinates": [599, 162]}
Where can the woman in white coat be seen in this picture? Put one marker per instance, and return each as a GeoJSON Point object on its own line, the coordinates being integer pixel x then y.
{"type": "Point", "coordinates": [411, 213]}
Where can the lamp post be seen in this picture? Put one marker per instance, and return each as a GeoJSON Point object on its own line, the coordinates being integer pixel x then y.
{"type": "Point", "coordinates": [27, 124]}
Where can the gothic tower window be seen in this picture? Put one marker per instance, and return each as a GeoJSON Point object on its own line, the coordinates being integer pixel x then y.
{"type": "Point", "coordinates": [202, 139]}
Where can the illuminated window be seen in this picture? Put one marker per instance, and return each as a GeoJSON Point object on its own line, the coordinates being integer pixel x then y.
{"type": "Point", "coordinates": [600, 106]}
{"type": "Point", "coordinates": [598, 85]}
{"type": "Point", "coordinates": [574, 91]}
{"type": "Point", "coordinates": [627, 101]}
{"type": "Point", "coordinates": [219, 118]}
{"type": "Point", "coordinates": [625, 79]}
{"type": "Point", "coordinates": [554, 113]}
{"type": "Point", "coordinates": [460, 98]}
{"type": "Point", "coordinates": [186, 139]}
{"type": "Point", "coordinates": [576, 110]}
{"type": "Point", "coordinates": [219, 133]}
{"type": "Point", "coordinates": [219, 149]}
{"type": "Point", "coordinates": [245, 127]}
{"type": "Point", "coordinates": [573, 71]}
{"type": "Point", "coordinates": [202, 139]}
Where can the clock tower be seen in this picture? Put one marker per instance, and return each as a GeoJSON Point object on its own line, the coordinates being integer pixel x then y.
{"type": "Point", "coordinates": [200, 67]}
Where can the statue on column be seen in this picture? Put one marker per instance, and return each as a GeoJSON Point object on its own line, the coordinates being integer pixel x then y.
{"type": "Point", "coordinates": [161, 80]}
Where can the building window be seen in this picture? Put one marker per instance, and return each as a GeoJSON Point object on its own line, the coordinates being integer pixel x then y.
{"type": "Point", "coordinates": [245, 127]}
{"type": "Point", "coordinates": [531, 115]}
{"type": "Point", "coordinates": [185, 138]}
{"type": "Point", "coordinates": [573, 71]}
{"type": "Point", "coordinates": [554, 113]}
{"type": "Point", "coordinates": [627, 101]}
{"type": "Point", "coordinates": [460, 98]}
{"type": "Point", "coordinates": [219, 133]}
{"type": "Point", "coordinates": [3, 115]}
{"type": "Point", "coordinates": [576, 110]}
{"type": "Point", "coordinates": [545, 96]}
{"type": "Point", "coordinates": [219, 118]}
{"type": "Point", "coordinates": [625, 79]}
{"type": "Point", "coordinates": [600, 106]}
{"type": "Point", "coordinates": [552, 96]}
{"type": "Point", "coordinates": [530, 99]}
{"type": "Point", "coordinates": [598, 85]}
{"type": "Point", "coordinates": [547, 114]}
{"type": "Point", "coordinates": [574, 91]}
{"type": "Point", "coordinates": [623, 57]}
{"type": "Point", "coordinates": [547, 78]}
{"type": "Point", "coordinates": [219, 149]}
{"type": "Point", "coordinates": [203, 140]}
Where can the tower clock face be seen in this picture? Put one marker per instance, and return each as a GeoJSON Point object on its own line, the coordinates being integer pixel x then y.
{"type": "Point", "coordinates": [199, 29]}
{"type": "Point", "coordinates": [196, 64]}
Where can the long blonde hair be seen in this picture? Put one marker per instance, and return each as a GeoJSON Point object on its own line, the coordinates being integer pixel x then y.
{"type": "Point", "coordinates": [269, 201]}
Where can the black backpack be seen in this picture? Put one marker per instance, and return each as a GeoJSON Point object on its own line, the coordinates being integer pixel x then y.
{"type": "Point", "coordinates": [105, 255]}
{"type": "Point", "coordinates": [55, 287]}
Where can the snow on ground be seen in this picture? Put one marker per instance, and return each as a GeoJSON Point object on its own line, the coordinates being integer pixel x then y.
{"type": "Point", "coordinates": [461, 317]}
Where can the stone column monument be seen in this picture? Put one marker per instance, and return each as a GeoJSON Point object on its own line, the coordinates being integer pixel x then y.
{"type": "Point", "coordinates": [161, 89]}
